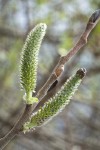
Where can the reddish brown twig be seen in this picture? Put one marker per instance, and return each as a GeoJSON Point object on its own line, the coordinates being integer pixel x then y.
{"type": "Point", "coordinates": [54, 76]}
{"type": "Point", "coordinates": [82, 41]}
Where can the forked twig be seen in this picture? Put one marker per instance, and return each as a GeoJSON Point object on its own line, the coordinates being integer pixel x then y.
{"type": "Point", "coordinates": [54, 76]}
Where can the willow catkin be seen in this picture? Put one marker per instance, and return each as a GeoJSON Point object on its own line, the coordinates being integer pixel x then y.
{"type": "Point", "coordinates": [57, 103]}
{"type": "Point", "coordinates": [29, 58]}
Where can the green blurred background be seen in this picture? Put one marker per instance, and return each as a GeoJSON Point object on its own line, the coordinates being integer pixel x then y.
{"type": "Point", "coordinates": [78, 126]}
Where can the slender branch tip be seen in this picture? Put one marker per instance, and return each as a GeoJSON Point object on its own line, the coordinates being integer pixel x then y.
{"type": "Point", "coordinates": [95, 16]}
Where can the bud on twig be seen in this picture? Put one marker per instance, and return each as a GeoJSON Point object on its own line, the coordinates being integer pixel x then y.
{"type": "Point", "coordinates": [95, 16]}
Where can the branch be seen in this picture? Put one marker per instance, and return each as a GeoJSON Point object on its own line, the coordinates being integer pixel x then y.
{"type": "Point", "coordinates": [59, 67]}
{"type": "Point", "coordinates": [17, 127]}
{"type": "Point", "coordinates": [58, 70]}
{"type": "Point", "coordinates": [4, 31]}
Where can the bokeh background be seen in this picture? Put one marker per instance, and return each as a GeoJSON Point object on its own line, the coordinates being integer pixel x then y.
{"type": "Point", "coordinates": [78, 126]}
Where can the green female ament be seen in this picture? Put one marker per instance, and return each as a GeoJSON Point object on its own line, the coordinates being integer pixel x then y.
{"type": "Point", "coordinates": [29, 61]}
{"type": "Point", "coordinates": [57, 103]}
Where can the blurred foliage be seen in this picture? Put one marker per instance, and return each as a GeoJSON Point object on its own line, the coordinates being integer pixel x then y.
{"type": "Point", "coordinates": [78, 127]}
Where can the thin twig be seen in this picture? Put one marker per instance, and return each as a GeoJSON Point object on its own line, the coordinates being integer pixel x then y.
{"type": "Point", "coordinates": [17, 127]}
{"type": "Point", "coordinates": [54, 76]}
{"type": "Point", "coordinates": [82, 41]}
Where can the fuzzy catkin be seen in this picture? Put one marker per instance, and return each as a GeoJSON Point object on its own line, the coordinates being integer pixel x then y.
{"type": "Point", "coordinates": [29, 58]}
{"type": "Point", "coordinates": [58, 102]}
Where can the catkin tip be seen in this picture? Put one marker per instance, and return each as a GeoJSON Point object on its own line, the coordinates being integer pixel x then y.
{"type": "Point", "coordinates": [81, 72]}
{"type": "Point", "coordinates": [43, 25]}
